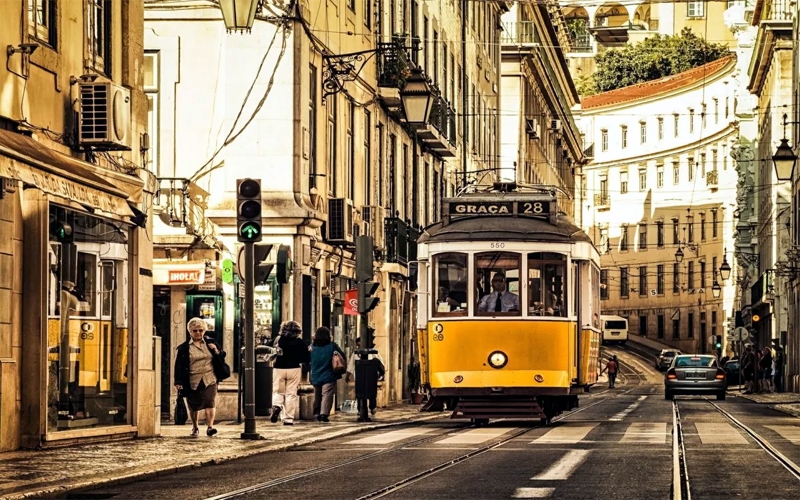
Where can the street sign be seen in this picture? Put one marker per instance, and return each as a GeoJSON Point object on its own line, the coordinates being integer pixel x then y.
{"type": "Point", "coordinates": [740, 334]}
{"type": "Point", "coordinates": [227, 271]}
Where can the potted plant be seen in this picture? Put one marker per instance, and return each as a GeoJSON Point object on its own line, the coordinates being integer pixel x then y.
{"type": "Point", "coordinates": [415, 383]}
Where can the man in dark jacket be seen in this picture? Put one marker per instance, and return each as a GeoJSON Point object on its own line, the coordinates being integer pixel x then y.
{"type": "Point", "coordinates": [286, 372]}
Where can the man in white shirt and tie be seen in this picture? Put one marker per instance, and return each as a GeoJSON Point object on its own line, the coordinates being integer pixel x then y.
{"type": "Point", "coordinates": [499, 300]}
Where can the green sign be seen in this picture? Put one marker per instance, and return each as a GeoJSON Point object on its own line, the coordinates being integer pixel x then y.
{"type": "Point", "coordinates": [227, 271]}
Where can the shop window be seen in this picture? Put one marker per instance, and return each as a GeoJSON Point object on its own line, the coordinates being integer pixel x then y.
{"type": "Point", "coordinates": [546, 282]}
{"type": "Point", "coordinates": [88, 346]}
{"type": "Point", "coordinates": [451, 284]}
{"type": "Point", "coordinates": [497, 284]}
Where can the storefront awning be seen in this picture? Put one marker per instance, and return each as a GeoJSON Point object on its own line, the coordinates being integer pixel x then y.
{"type": "Point", "coordinates": [179, 273]}
{"type": "Point", "coordinates": [54, 173]}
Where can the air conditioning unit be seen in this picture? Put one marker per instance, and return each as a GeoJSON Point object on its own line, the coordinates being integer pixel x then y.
{"type": "Point", "coordinates": [373, 216]}
{"type": "Point", "coordinates": [555, 125]}
{"type": "Point", "coordinates": [340, 221]}
{"type": "Point", "coordinates": [104, 121]}
{"type": "Point", "coordinates": [532, 128]}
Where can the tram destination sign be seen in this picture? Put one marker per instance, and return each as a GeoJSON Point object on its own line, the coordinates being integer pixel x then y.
{"type": "Point", "coordinates": [520, 208]}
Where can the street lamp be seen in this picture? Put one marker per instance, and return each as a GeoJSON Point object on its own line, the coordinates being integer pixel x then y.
{"type": "Point", "coordinates": [238, 15]}
{"type": "Point", "coordinates": [716, 289]}
{"type": "Point", "coordinates": [679, 255]}
{"type": "Point", "coordinates": [416, 97]}
{"type": "Point", "coordinates": [724, 269]}
{"type": "Point", "coordinates": [784, 158]}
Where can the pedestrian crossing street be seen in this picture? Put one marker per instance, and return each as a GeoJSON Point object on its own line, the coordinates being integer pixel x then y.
{"type": "Point", "coordinates": [717, 433]}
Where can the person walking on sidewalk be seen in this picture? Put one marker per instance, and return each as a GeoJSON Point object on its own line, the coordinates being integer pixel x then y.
{"type": "Point", "coordinates": [194, 374]}
{"type": "Point", "coordinates": [612, 367]}
{"type": "Point", "coordinates": [375, 363]}
{"type": "Point", "coordinates": [323, 378]}
{"type": "Point", "coordinates": [286, 372]}
{"type": "Point", "coordinates": [766, 369]}
{"type": "Point", "coordinates": [779, 361]}
{"type": "Point", "coordinates": [748, 368]}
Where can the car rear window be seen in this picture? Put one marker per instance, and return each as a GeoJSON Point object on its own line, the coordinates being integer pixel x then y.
{"type": "Point", "coordinates": [669, 354]}
{"type": "Point", "coordinates": [695, 361]}
{"type": "Point", "coordinates": [616, 325]}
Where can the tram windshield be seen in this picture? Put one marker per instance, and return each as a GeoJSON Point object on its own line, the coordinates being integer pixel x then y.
{"type": "Point", "coordinates": [497, 283]}
{"type": "Point", "coordinates": [451, 284]}
{"type": "Point", "coordinates": [546, 284]}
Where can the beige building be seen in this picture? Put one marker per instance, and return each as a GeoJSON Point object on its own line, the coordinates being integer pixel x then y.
{"type": "Point", "coordinates": [540, 142]}
{"type": "Point", "coordinates": [75, 250]}
{"type": "Point", "coordinates": [658, 203]}
{"type": "Point", "coordinates": [324, 130]}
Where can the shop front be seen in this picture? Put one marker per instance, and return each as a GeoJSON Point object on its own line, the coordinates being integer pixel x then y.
{"type": "Point", "coordinates": [79, 266]}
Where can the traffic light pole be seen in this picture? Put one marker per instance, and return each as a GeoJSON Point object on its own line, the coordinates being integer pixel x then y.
{"type": "Point", "coordinates": [249, 347]}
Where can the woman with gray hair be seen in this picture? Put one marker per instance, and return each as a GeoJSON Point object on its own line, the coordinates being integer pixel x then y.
{"type": "Point", "coordinates": [195, 376]}
{"type": "Point", "coordinates": [286, 372]}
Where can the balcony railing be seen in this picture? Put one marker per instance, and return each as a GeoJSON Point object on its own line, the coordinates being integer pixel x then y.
{"type": "Point", "coordinates": [519, 33]}
{"type": "Point", "coordinates": [761, 290]}
{"type": "Point", "coordinates": [601, 201]}
{"type": "Point", "coordinates": [712, 178]}
{"type": "Point", "coordinates": [777, 10]}
{"type": "Point", "coordinates": [443, 118]}
{"type": "Point", "coordinates": [581, 42]}
{"type": "Point", "coordinates": [394, 64]}
{"type": "Point", "coordinates": [401, 241]}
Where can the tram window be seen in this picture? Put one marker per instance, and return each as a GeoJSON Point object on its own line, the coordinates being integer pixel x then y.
{"type": "Point", "coordinates": [497, 283]}
{"type": "Point", "coordinates": [595, 294]}
{"type": "Point", "coordinates": [546, 284]}
{"type": "Point", "coordinates": [450, 280]}
{"type": "Point", "coordinates": [86, 284]}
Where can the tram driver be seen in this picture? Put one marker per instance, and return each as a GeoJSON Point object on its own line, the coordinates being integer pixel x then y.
{"type": "Point", "coordinates": [499, 300]}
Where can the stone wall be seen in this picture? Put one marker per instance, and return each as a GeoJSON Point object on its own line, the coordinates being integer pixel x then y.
{"type": "Point", "coordinates": [10, 314]}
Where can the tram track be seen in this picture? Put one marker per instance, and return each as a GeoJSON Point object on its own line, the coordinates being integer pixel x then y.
{"type": "Point", "coordinates": [386, 490]}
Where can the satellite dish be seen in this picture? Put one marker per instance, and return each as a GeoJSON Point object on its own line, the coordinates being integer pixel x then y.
{"type": "Point", "coordinates": [740, 334]}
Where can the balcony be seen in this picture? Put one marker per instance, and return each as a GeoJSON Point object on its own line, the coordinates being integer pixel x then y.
{"type": "Point", "coordinates": [761, 291]}
{"type": "Point", "coordinates": [439, 134]}
{"type": "Point", "coordinates": [519, 33]}
{"type": "Point", "coordinates": [774, 10]}
{"type": "Point", "coordinates": [394, 66]}
{"type": "Point", "coordinates": [712, 180]}
{"type": "Point", "coordinates": [602, 202]}
{"type": "Point", "coordinates": [401, 241]}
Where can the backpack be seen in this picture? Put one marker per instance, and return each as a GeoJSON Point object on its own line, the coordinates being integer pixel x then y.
{"type": "Point", "coordinates": [273, 355]}
{"type": "Point", "coordinates": [339, 365]}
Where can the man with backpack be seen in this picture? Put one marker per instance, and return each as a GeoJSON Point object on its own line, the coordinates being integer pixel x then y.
{"type": "Point", "coordinates": [287, 371]}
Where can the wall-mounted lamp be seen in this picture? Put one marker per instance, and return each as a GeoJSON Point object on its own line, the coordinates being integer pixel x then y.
{"type": "Point", "coordinates": [238, 15]}
{"type": "Point", "coordinates": [784, 158]}
{"type": "Point", "coordinates": [716, 289]}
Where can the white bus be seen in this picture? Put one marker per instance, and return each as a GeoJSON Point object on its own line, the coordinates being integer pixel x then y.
{"type": "Point", "coordinates": [615, 329]}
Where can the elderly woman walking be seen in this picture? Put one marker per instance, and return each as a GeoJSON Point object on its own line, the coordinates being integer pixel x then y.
{"type": "Point", "coordinates": [323, 378]}
{"type": "Point", "coordinates": [194, 374]}
{"type": "Point", "coordinates": [286, 371]}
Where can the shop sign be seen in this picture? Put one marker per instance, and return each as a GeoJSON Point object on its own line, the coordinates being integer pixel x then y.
{"type": "Point", "coordinates": [182, 277]}
{"type": "Point", "coordinates": [351, 302]}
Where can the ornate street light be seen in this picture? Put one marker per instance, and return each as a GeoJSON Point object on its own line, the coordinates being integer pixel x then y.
{"type": "Point", "coordinates": [716, 290]}
{"type": "Point", "coordinates": [679, 255]}
{"type": "Point", "coordinates": [784, 160]}
{"type": "Point", "coordinates": [238, 15]}
{"type": "Point", "coordinates": [724, 269]}
{"type": "Point", "coordinates": [416, 98]}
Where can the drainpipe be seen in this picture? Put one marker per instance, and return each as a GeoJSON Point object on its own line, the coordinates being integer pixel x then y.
{"type": "Point", "coordinates": [464, 90]}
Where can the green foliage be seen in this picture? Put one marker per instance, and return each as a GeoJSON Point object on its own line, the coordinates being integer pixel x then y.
{"type": "Point", "coordinates": [585, 85]}
{"type": "Point", "coordinates": [654, 58]}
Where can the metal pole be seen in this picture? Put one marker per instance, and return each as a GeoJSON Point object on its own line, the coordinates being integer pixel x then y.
{"type": "Point", "coordinates": [579, 318]}
{"type": "Point", "coordinates": [249, 347]}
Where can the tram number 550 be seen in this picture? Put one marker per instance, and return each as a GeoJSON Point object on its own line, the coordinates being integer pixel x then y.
{"type": "Point", "coordinates": [533, 208]}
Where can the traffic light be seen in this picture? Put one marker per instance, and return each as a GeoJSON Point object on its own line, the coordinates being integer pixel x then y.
{"type": "Point", "coordinates": [248, 210]}
{"type": "Point", "coordinates": [366, 301]}
{"type": "Point", "coordinates": [263, 268]}
{"type": "Point", "coordinates": [284, 264]}
{"type": "Point", "coordinates": [718, 342]}
{"type": "Point", "coordinates": [62, 231]}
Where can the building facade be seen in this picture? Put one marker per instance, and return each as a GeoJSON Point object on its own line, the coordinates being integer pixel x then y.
{"type": "Point", "coordinates": [309, 103]}
{"type": "Point", "coordinates": [540, 142]}
{"type": "Point", "coordinates": [658, 203]}
{"type": "Point", "coordinates": [75, 251]}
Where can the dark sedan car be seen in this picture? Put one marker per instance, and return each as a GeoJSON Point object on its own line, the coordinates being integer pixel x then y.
{"type": "Point", "coordinates": [695, 374]}
{"type": "Point", "coordinates": [665, 358]}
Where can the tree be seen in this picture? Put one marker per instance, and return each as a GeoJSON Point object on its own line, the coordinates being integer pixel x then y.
{"type": "Point", "coordinates": [653, 58]}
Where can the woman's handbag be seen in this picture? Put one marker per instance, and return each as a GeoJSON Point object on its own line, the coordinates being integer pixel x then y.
{"type": "Point", "coordinates": [181, 415]}
{"type": "Point", "coordinates": [339, 365]}
{"type": "Point", "coordinates": [221, 369]}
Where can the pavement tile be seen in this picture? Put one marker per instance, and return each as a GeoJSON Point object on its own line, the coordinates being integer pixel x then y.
{"type": "Point", "coordinates": [787, 402]}
{"type": "Point", "coordinates": [56, 471]}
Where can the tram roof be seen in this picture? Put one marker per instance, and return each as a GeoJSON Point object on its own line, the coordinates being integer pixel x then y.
{"type": "Point", "coordinates": [506, 228]}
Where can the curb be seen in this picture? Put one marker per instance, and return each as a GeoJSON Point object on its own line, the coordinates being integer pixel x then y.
{"type": "Point", "coordinates": [59, 491]}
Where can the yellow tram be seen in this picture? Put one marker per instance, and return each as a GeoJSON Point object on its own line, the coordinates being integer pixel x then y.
{"type": "Point", "coordinates": [507, 281]}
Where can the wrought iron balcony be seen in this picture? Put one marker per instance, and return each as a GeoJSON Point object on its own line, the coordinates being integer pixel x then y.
{"type": "Point", "coordinates": [519, 33]}
{"type": "Point", "coordinates": [581, 41]}
{"type": "Point", "coordinates": [712, 179]}
{"type": "Point", "coordinates": [401, 241]}
{"type": "Point", "coordinates": [602, 201]}
{"type": "Point", "coordinates": [775, 10]}
{"type": "Point", "coordinates": [761, 291]}
{"type": "Point", "coordinates": [439, 134]}
{"type": "Point", "coordinates": [394, 64]}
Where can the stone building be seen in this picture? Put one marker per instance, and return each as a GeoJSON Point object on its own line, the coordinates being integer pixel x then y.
{"type": "Point", "coordinates": [75, 249]}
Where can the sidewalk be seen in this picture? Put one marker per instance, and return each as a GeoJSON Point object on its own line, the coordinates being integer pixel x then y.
{"type": "Point", "coordinates": [787, 402]}
{"type": "Point", "coordinates": [56, 472]}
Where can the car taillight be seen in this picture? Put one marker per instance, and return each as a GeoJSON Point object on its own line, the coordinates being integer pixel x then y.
{"type": "Point", "coordinates": [720, 374]}
{"type": "Point", "coordinates": [671, 374]}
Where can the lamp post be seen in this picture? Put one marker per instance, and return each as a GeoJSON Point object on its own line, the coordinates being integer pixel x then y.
{"type": "Point", "coordinates": [238, 15]}
{"type": "Point", "coordinates": [724, 268]}
{"type": "Point", "coordinates": [716, 289]}
{"type": "Point", "coordinates": [679, 255]}
{"type": "Point", "coordinates": [416, 98]}
{"type": "Point", "coordinates": [784, 160]}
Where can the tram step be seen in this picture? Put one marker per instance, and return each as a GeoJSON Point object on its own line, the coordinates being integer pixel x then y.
{"type": "Point", "coordinates": [497, 408]}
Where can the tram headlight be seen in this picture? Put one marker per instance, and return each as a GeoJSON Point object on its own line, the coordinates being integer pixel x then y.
{"type": "Point", "coordinates": [498, 359]}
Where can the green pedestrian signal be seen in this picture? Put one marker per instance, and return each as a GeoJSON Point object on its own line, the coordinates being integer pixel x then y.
{"type": "Point", "coordinates": [248, 210]}
{"type": "Point", "coordinates": [718, 343]}
{"type": "Point", "coordinates": [227, 271]}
